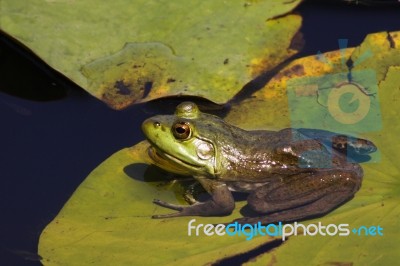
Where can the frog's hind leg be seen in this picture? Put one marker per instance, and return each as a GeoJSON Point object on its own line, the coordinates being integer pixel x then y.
{"type": "Point", "coordinates": [315, 209]}
{"type": "Point", "coordinates": [303, 196]}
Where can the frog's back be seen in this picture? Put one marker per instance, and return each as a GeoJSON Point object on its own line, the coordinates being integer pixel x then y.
{"type": "Point", "coordinates": [258, 156]}
{"type": "Point", "coordinates": [264, 156]}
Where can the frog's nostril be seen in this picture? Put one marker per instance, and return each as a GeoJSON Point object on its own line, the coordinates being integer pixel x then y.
{"type": "Point", "coordinates": [156, 124]}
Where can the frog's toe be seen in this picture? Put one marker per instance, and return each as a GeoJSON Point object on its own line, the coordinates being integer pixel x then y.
{"type": "Point", "coordinates": [175, 207]}
{"type": "Point", "coordinates": [182, 210]}
{"type": "Point", "coordinates": [168, 205]}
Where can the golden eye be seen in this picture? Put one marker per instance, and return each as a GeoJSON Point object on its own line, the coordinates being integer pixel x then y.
{"type": "Point", "coordinates": [181, 130]}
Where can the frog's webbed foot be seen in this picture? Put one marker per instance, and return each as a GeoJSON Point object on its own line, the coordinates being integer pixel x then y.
{"type": "Point", "coordinates": [221, 203]}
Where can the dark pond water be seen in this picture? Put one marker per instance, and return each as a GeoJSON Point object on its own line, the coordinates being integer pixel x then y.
{"type": "Point", "coordinates": [47, 148]}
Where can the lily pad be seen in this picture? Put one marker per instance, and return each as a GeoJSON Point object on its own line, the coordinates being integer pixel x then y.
{"type": "Point", "coordinates": [374, 69]}
{"type": "Point", "coordinates": [124, 52]}
{"type": "Point", "coordinates": [107, 220]}
{"type": "Point", "coordinates": [376, 204]}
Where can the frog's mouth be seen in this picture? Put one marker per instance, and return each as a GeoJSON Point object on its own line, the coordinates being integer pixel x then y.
{"type": "Point", "coordinates": [171, 163]}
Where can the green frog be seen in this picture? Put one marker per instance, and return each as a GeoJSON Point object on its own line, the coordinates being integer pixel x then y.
{"type": "Point", "coordinates": [291, 174]}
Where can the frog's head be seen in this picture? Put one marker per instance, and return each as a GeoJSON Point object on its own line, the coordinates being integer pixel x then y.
{"type": "Point", "coordinates": [186, 142]}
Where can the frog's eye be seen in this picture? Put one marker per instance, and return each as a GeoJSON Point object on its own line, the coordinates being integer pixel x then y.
{"type": "Point", "coordinates": [182, 130]}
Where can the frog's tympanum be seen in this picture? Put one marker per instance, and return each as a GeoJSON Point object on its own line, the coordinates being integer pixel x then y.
{"type": "Point", "coordinates": [289, 174]}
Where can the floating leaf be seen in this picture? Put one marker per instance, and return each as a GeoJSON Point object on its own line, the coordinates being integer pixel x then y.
{"type": "Point", "coordinates": [269, 106]}
{"type": "Point", "coordinates": [108, 221]}
{"type": "Point", "coordinates": [376, 75]}
{"type": "Point", "coordinates": [124, 52]}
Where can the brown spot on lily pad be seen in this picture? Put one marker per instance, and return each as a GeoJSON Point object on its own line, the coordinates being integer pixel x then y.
{"type": "Point", "coordinates": [131, 74]}
{"type": "Point", "coordinates": [295, 71]}
{"type": "Point", "coordinates": [120, 96]}
{"type": "Point", "coordinates": [122, 88]}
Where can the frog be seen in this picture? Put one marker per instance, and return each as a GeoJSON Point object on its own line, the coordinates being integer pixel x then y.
{"type": "Point", "coordinates": [290, 174]}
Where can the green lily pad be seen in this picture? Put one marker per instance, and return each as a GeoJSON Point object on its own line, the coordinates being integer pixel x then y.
{"type": "Point", "coordinates": [376, 204]}
{"type": "Point", "coordinates": [124, 52]}
{"type": "Point", "coordinates": [107, 220]}
{"type": "Point", "coordinates": [269, 106]}
{"type": "Point", "coordinates": [375, 74]}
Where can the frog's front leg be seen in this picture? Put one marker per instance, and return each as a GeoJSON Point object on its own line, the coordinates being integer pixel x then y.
{"type": "Point", "coordinates": [304, 195]}
{"type": "Point", "coordinates": [221, 202]}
